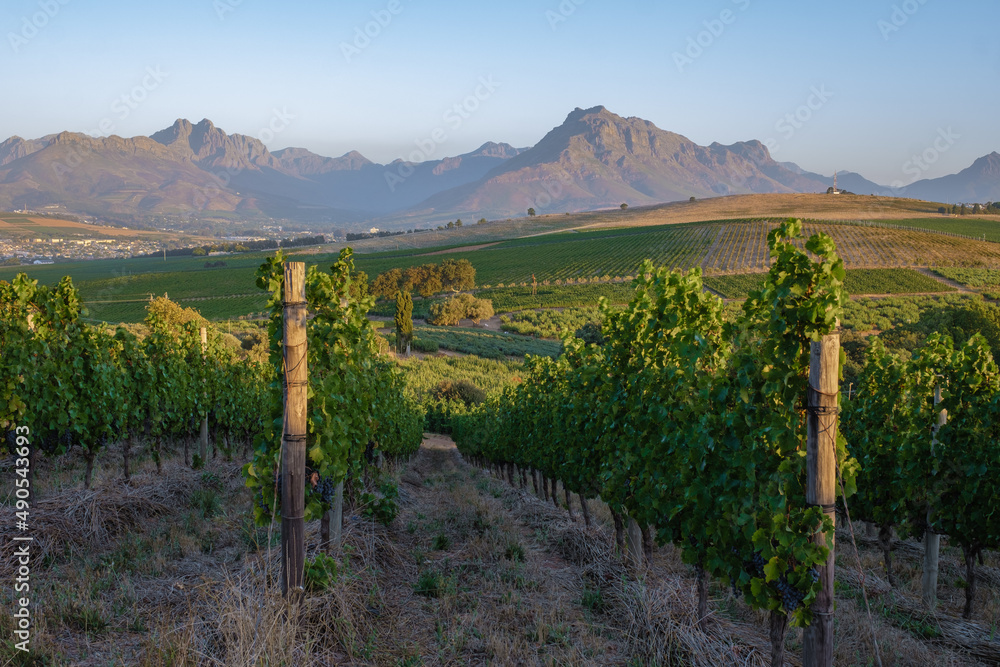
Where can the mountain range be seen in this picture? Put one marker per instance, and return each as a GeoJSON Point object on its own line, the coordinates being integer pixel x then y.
{"type": "Point", "coordinates": [594, 159]}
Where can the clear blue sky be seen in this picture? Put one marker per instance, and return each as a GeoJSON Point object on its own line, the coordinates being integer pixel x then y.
{"type": "Point", "coordinates": [887, 92]}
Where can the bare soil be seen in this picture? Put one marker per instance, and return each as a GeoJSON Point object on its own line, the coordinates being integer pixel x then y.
{"type": "Point", "coordinates": [167, 570]}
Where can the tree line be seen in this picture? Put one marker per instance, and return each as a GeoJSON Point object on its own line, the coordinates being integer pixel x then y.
{"type": "Point", "coordinates": [426, 280]}
{"type": "Point", "coordinates": [242, 246]}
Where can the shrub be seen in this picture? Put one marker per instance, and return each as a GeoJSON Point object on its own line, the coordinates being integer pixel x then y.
{"type": "Point", "coordinates": [463, 390]}
{"type": "Point", "coordinates": [321, 572]}
{"type": "Point", "coordinates": [450, 311]}
{"type": "Point", "coordinates": [423, 345]}
{"type": "Point", "coordinates": [514, 552]}
{"type": "Point", "coordinates": [590, 333]}
{"type": "Point", "coordinates": [429, 584]}
{"type": "Point", "coordinates": [382, 508]}
{"type": "Point", "coordinates": [206, 501]}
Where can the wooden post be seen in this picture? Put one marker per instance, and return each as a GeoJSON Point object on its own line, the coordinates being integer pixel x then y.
{"type": "Point", "coordinates": [821, 488]}
{"type": "Point", "coordinates": [203, 436]}
{"type": "Point", "coordinates": [932, 541]}
{"type": "Point", "coordinates": [293, 438]}
{"type": "Point", "coordinates": [338, 516]}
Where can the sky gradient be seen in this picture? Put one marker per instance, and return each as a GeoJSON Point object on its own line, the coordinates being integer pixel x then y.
{"type": "Point", "coordinates": [856, 85]}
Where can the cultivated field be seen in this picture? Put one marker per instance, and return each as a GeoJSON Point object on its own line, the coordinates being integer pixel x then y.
{"type": "Point", "coordinates": [24, 226]}
{"type": "Point", "coordinates": [571, 255]}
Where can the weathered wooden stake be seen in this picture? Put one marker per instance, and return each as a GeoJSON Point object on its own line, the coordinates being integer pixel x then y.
{"type": "Point", "coordinates": [338, 516]}
{"type": "Point", "coordinates": [293, 437]}
{"type": "Point", "coordinates": [821, 489]}
{"type": "Point", "coordinates": [203, 436]}
{"type": "Point", "coordinates": [932, 541]}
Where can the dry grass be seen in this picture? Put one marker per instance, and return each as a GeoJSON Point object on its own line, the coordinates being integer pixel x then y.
{"type": "Point", "coordinates": [472, 572]}
{"type": "Point", "coordinates": [813, 206]}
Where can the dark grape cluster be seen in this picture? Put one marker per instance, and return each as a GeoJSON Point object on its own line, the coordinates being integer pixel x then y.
{"type": "Point", "coordinates": [261, 502]}
{"type": "Point", "coordinates": [48, 443]}
{"type": "Point", "coordinates": [791, 597]}
{"type": "Point", "coordinates": [754, 566]}
{"type": "Point", "coordinates": [325, 489]}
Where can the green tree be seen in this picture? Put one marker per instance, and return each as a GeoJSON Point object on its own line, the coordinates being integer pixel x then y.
{"type": "Point", "coordinates": [458, 223]}
{"type": "Point", "coordinates": [962, 210]}
{"type": "Point", "coordinates": [691, 199]}
{"type": "Point", "coordinates": [450, 311]}
{"type": "Point", "coordinates": [531, 212]}
{"type": "Point", "coordinates": [388, 283]}
{"type": "Point", "coordinates": [624, 206]}
{"type": "Point", "coordinates": [479, 310]}
{"type": "Point", "coordinates": [457, 275]}
{"type": "Point", "coordinates": [404, 321]}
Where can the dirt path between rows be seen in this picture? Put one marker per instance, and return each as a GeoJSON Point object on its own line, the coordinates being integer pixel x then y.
{"type": "Point", "coordinates": [521, 583]}
{"type": "Point", "coordinates": [465, 248]}
{"type": "Point", "coordinates": [503, 596]}
{"type": "Point", "coordinates": [945, 281]}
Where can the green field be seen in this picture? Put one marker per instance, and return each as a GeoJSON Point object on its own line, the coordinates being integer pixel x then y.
{"type": "Point", "coordinates": [606, 253]}
{"type": "Point", "coordinates": [116, 290]}
{"type": "Point", "coordinates": [858, 281]}
{"type": "Point", "coordinates": [884, 314]}
{"type": "Point", "coordinates": [491, 375]}
{"type": "Point", "coordinates": [967, 225]}
{"type": "Point", "coordinates": [549, 323]}
{"type": "Point", "coordinates": [487, 344]}
{"type": "Point", "coordinates": [972, 277]}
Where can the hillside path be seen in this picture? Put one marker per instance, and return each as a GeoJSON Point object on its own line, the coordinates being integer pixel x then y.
{"type": "Point", "coordinates": [947, 281]}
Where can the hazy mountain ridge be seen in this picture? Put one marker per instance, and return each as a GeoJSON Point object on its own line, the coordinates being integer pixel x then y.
{"type": "Point", "coordinates": [980, 182]}
{"type": "Point", "coordinates": [594, 159]}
